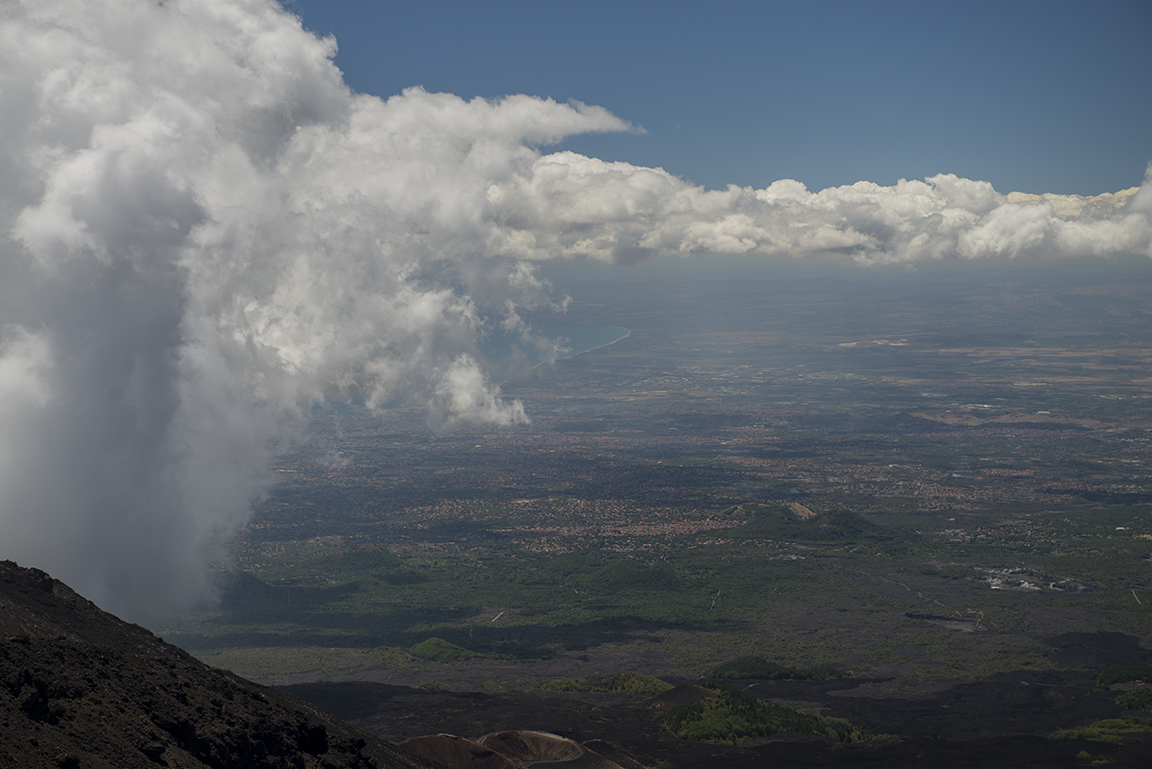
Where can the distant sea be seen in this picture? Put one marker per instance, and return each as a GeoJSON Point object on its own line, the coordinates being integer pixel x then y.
{"type": "Point", "coordinates": [578, 339]}
{"type": "Point", "coordinates": [573, 340]}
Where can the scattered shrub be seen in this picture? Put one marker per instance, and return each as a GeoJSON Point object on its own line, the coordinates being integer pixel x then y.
{"type": "Point", "coordinates": [1137, 699]}
{"type": "Point", "coordinates": [625, 683]}
{"type": "Point", "coordinates": [439, 650]}
{"type": "Point", "coordinates": [758, 667]}
{"type": "Point", "coordinates": [735, 714]}
{"type": "Point", "coordinates": [434, 686]}
{"type": "Point", "coordinates": [1108, 730]}
{"type": "Point", "coordinates": [1119, 674]}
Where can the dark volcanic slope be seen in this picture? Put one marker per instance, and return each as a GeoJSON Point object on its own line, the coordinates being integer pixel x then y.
{"type": "Point", "coordinates": [80, 689]}
{"type": "Point", "coordinates": [948, 730]}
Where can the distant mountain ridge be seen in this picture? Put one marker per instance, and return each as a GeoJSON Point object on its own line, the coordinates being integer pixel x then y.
{"type": "Point", "coordinates": [81, 689]}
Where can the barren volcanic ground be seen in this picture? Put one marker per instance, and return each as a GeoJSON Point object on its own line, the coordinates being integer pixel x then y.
{"type": "Point", "coordinates": [1001, 721]}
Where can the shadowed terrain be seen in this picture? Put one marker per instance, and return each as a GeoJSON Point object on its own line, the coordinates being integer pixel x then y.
{"type": "Point", "coordinates": [80, 689]}
{"type": "Point", "coordinates": [1000, 722]}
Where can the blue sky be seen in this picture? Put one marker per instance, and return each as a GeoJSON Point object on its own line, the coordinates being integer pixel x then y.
{"type": "Point", "coordinates": [1031, 96]}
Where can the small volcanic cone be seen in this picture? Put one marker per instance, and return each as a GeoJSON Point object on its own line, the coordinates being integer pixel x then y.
{"type": "Point", "coordinates": [527, 747]}
{"type": "Point", "coordinates": [457, 752]}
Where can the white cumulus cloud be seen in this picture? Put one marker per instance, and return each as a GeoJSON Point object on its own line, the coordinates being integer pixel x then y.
{"type": "Point", "coordinates": [569, 205]}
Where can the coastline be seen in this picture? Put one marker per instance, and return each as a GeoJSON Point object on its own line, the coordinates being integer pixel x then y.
{"type": "Point", "coordinates": [627, 333]}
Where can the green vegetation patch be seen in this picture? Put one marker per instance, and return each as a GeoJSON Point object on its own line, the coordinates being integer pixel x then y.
{"type": "Point", "coordinates": [1137, 699]}
{"type": "Point", "coordinates": [734, 714]}
{"type": "Point", "coordinates": [1121, 674]}
{"type": "Point", "coordinates": [1108, 730]}
{"type": "Point", "coordinates": [439, 650]}
{"type": "Point", "coordinates": [624, 576]}
{"type": "Point", "coordinates": [625, 683]}
{"type": "Point", "coordinates": [758, 667]}
{"type": "Point", "coordinates": [270, 662]}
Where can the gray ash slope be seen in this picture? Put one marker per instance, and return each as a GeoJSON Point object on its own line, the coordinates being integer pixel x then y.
{"type": "Point", "coordinates": [81, 689]}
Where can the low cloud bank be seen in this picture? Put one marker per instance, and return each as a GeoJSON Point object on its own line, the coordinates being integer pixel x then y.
{"type": "Point", "coordinates": [204, 231]}
{"type": "Point", "coordinates": [568, 204]}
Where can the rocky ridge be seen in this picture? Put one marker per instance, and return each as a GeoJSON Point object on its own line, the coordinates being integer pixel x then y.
{"type": "Point", "coordinates": [81, 689]}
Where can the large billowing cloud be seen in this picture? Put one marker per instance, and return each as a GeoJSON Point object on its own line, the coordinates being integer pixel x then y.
{"type": "Point", "coordinates": [202, 231]}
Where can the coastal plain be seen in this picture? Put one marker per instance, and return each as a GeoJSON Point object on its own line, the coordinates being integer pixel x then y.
{"type": "Point", "coordinates": [926, 479]}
